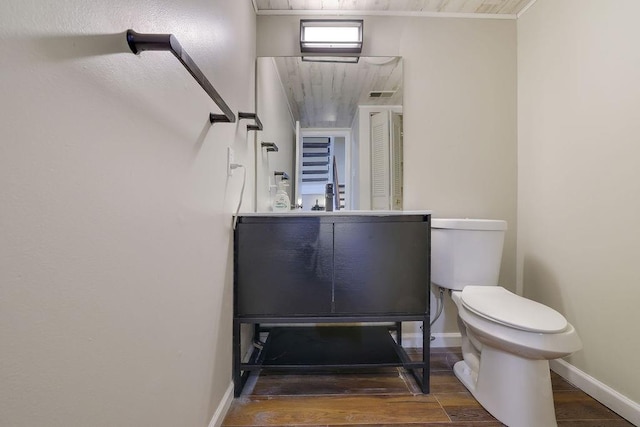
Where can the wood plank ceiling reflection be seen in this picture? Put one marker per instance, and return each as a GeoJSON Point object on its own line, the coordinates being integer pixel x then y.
{"type": "Point", "coordinates": [501, 7]}
{"type": "Point", "coordinates": [326, 95]}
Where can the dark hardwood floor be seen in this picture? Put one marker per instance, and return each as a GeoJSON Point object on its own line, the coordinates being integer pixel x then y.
{"type": "Point", "coordinates": [390, 397]}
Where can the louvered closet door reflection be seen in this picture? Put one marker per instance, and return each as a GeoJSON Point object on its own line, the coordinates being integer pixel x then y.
{"type": "Point", "coordinates": [380, 164]}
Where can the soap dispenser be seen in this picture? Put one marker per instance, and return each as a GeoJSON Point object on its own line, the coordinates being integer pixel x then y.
{"type": "Point", "coordinates": [281, 202]}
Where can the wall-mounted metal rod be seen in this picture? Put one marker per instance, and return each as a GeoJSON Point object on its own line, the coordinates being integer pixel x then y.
{"type": "Point", "coordinates": [283, 174]}
{"type": "Point", "coordinates": [252, 116]}
{"type": "Point", "coordinates": [270, 146]}
{"type": "Point", "coordinates": [167, 42]}
{"type": "Point", "coordinates": [221, 118]}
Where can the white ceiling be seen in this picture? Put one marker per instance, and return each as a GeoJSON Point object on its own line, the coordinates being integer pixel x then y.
{"type": "Point", "coordinates": [478, 8]}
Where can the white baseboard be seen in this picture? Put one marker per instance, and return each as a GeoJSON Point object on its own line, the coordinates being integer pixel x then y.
{"type": "Point", "coordinates": [223, 407]}
{"type": "Point", "coordinates": [414, 340]}
{"type": "Point", "coordinates": [601, 392]}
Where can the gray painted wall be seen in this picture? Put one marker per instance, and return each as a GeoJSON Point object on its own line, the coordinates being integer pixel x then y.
{"type": "Point", "coordinates": [115, 262]}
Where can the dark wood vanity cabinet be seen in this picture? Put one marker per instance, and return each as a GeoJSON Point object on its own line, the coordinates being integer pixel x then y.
{"type": "Point", "coordinates": [284, 267]}
{"type": "Point", "coordinates": [330, 268]}
{"type": "Point", "coordinates": [381, 267]}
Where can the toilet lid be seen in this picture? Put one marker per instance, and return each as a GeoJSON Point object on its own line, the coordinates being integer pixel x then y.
{"type": "Point", "coordinates": [500, 305]}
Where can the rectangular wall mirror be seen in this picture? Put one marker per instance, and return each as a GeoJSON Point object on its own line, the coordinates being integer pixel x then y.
{"type": "Point", "coordinates": [333, 121]}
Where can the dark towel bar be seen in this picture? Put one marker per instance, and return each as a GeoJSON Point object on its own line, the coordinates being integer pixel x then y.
{"type": "Point", "coordinates": [252, 116]}
{"type": "Point", "coordinates": [167, 42]}
{"type": "Point", "coordinates": [282, 174]}
{"type": "Point", "coordinates": [270, 146]}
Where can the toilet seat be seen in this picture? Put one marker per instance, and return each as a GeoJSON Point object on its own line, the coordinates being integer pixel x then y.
{"type": "Point", "coordinates": [499, 305]}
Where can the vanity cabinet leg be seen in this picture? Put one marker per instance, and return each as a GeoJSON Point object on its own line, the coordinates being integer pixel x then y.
{"type": "Point", "coordinates": [426, 354]}
{"type": "Point", "coordinates": [237, 374]}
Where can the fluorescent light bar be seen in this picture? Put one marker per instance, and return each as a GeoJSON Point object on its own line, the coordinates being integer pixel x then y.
{"type": "Point", "coordinates": [341, 59]}
{"type": "Point", "coordinates": [330, 36]}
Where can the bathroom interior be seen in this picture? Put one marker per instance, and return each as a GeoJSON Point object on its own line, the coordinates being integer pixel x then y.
{"type": "Point", "coordinates": [117, 262]}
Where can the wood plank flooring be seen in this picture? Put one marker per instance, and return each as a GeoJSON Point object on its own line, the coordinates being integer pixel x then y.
{"type": "Point", "coordinates": [390, 398]}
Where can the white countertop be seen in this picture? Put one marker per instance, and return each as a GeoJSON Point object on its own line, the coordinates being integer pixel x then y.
{"type": "Point", "coordinates": [337, 213]}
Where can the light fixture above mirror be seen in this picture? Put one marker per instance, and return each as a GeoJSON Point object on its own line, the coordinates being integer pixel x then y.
{"type": "Point", "coordinates": [335, 59]}
{"type": "Point", "coordinates": [331, 36]}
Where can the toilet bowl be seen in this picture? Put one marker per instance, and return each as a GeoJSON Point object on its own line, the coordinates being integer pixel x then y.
{"type": "Point", "coordinates": [507, 340]}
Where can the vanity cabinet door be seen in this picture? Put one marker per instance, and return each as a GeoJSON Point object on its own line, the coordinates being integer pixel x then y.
{"type": "Point", "coordinates": [381, 267]}
{"type": "Point", "coordinates": [284, 267]}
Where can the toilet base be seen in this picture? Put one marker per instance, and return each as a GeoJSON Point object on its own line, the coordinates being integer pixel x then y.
{"type": "Point", "coordinates": [515, 390]}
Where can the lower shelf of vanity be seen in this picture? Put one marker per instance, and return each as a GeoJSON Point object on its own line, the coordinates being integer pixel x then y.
{"type": "Point", "coordinates": [329, 347]}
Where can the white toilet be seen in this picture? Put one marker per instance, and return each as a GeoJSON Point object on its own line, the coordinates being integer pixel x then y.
{"type": "Point", "coordinates": [507, 340]}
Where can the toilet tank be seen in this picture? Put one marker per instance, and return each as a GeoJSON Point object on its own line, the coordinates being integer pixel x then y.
{"type": "Point", "coordinates": [466, 252]}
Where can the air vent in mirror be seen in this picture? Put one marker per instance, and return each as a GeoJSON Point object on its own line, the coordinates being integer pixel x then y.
{"type": "Point", "coordinates": [381, 93]}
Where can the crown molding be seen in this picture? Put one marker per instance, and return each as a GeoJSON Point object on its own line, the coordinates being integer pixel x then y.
{"type": "Point", "coordinates": [386, 13]}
